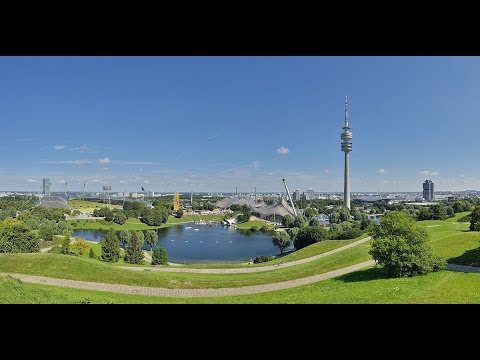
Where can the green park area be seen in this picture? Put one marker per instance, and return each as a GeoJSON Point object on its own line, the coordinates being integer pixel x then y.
{"type": "Point", "coordinates": [449, 239]}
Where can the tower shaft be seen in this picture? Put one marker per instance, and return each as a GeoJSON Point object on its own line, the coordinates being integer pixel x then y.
{"type": "Point", "coordinates": [346, 182]}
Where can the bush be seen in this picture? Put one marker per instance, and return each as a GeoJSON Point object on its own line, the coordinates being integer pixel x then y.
{"type": "Point", "coordinates": [263, 258]}
{"type": "Point", "coordinates": [65, 249]}
{"type": "Point", "coordinates": [400, 246]}
{"type": "Point", "coordinates": [91, 254]}
{"type": "Point", "coordinates": [160, 256]}
{"type": "Point", "coordinates": [56, 249]}
{"type": "Point", "coordinates": [120, 218]}
{"type": "Point", "coordinates": [46, 232]}
{"type": "Point", "coordinates": [80, 246]}
{"type": "Point", "coordinates": [350, 233]}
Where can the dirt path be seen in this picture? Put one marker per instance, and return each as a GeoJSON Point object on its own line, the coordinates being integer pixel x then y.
{"type": "Point", "coordinates": [142, 290]}
{"type": "Point", "coordinates": [247, 269]}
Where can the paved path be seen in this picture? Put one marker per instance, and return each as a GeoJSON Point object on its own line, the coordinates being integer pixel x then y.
{"type": "Point", "coordinates": [142, 290]}
{"type": "Point", "coordinates": [247, 269]}
{"type": "Point", "coordinates": [463, 268]}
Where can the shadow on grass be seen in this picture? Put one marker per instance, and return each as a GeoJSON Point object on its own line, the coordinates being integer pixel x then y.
{"type": "Point", "coordinates": [469, 257]}
{"type": "Point", "coordinates": [374, 273]}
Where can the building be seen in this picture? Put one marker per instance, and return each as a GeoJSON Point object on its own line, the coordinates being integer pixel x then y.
{"type": "Point", "coordinates": [176, 201]}
{"type": "Point", "coordinates": [296, 195]}
{"type": "Point", "coordinates": [46, 187]}
{"type": "Point", "coordinates": [310, 194]}
{"type": "Point", "coordinates": [428, 194]}
{"type": "Point", "coordinates": [346, 136]}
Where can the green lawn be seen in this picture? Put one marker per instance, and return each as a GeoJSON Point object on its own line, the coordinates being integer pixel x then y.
{"type": "Point", "coordinates": [364, 286]}
{"type": "Point", "coordinates": [89, 206]}
{"type": "Point", "coordinates": [76, 268]}
{"type": "Point", "coordinates": [453, 240]}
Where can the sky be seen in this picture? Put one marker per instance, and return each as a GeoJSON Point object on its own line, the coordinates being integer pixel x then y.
{"type": "Point", "coordinates": [210, 124]}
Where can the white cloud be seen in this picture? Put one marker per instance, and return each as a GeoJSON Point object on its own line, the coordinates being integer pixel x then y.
{"type": "Point", "coordinates": [32, 180]}
{"type": "Point", "coordinates": [283, 150]}
{"type": "Point", "coordinates": [146, 182]}
{"type": "Point", "coordinates": [381, 171]}
{"type": "Point", "coordinates": [105, 160]}
{"type": "Point", "coordinates": [97, 181]}
{"type": "Point", "coordinates": [121, 162]}
{"type": "Point", "coordinates": [123, 182]}
{"type": "Point", "coordinates": [59, 147]}
{"type": "Point", "coordinates": [431, 173]}
{"type": "Point", "coordinates": [326, 171]}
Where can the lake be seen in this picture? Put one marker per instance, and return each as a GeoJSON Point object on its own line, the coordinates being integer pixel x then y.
{"type": "Point", "coordinates": [208, 244]}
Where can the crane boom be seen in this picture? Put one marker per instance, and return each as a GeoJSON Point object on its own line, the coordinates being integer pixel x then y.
{"type": "Point", "coordinates": [290, 197]}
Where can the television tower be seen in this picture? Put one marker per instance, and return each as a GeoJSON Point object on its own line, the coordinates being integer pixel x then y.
{"type": "Point", "coordinates": [346, 136]}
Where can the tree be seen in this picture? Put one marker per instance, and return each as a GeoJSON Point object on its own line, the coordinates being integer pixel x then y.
{"type": "Point", "coordinates": [15, 237]}
{"type": "Point", "coordinates": [344, 215]}
{"type": "Point", "coordinates": [179, 213]}
{"type": "Point", "coordinates": [124, 236]}
{"type": "Point", "coordinates": [133, 251]}
{"type": "Point", "coordinates": [160, 256]}
{"type": "Point", "coordinates": [300, 221]}
{"type": "Point", "coordinates": [91, 254]}
{"type": "Point", "coordinates": [110, 247]}
{"type": "Point", "coordinates": [281, 240]}
{"type": "Point", "coordinates": [313, 222]}
{"type": "Point", "coordinates": [310, 235]}
{"type": "Point", "coordinates": [151, 237]}
{"type": "Point", "coordinates": [400, 246]}
{"type": "Point", "coordinates": [309, 212]}
{"type": "Point", "coordinates": [288, 221]}
{"type": "Point", "coordinates": [474, 217]}
{"type": "Point", "coordinates": [334, 217]}
{"type": "Point", "coordinates": [293, 233]}
{"type": "Point", "coordinates": [120, 218]}
{"type": "Point", "coordinates": [46, 232]}
{"type": "Point", "coordinates": [65, 249]}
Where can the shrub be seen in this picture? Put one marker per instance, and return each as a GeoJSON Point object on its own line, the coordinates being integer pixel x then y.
{"type": "Point", "coordinates": [65, 249]}
{"type": "Point", "coordinates": [46, 231]}
{"type": "Point", "coordinates": [160, 256]}
{"type": "Point", "coordinates": [263, 258]}
{"type": "Point", "coordinates": [91, 254]}
{"type": "Point", "coordinates": [80, 246]}
{"type": "Point", "coordinates": [120, 218]}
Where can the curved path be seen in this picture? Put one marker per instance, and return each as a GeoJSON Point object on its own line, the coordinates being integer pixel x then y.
{"type": "Point", "coordinates": [152, 291]}
{"type": "Point", "coordinates": [247, 269]}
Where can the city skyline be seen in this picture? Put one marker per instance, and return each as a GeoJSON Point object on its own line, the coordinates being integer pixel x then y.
{"type": "Point", "coordinates": [210, 124]}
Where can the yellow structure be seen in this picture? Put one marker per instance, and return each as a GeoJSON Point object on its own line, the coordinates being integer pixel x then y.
{"type": "Point", "coordinates": [176, 201]}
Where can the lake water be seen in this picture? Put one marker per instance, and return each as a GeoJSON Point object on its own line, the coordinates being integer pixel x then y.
{"type": "Point", "coordinates": [208, 244]}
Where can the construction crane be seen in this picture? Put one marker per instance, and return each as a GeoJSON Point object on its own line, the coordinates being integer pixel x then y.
{"type": "Point", "coordinates": [290, 197]}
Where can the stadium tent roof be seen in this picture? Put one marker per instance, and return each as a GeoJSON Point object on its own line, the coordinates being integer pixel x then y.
{"type": "Point", "coordinates": [280, 208]}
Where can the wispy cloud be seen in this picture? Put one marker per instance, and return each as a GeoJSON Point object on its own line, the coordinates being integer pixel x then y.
{"type": "Point", "coordinates": [123, 182]}
{"type": "Point", "coordinates": [104, 161]}
{"type": "Point", "coordinates": [32, 180]}
{"type": "Point", "coordinates": [84, 149]}
{"type": "Point", "coordinates": [381, 171]}
{"type": "Point", "coordinates": [59, 147]}
{"type": "Point", "coordinates": [431, 173]}
{"type": "Point", "coordinates": [122, 162]}
{"type": "Point", "coordinates": [146, 181]}
{"type": "Point", "coordinates": [326, 171]}
{"type": "Point", "coordinates": [283, 150]}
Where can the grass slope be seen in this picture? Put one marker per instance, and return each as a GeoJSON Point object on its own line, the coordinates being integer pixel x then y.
{"type": "Point", "coordinates": [364, 286]}
{"type": "Point", "coordinates": [75, 268]}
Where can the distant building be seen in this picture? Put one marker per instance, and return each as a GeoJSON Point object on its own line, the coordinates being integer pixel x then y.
{"type": "Point", "coordinates": [310, 194]}
{"type": "Point", "coordinates": [296, 195]}
{"type": "Point", "coordinates": [46, 187]}
{"type": "Point", "coordinates": [428, 190]}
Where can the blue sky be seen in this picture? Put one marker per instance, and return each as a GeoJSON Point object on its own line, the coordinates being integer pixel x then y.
{"type": "Point", "coordinates": [214, 123]}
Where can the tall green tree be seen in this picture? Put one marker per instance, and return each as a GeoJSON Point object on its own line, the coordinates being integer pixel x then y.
{"type": "Point", "coordinates": [46, 231]}
{"type": "Point", "coordinates": [65, 248]}
{"type": "Point", "coordinates": [160, 256]}
{"type": "Point", "coordinates": [287, 221]}
{"type": "Point", "coordinates": [400, 246]}
{"type": "Point", "coordinates": [110, 248]}
{"type": "Point", "coordinates": [151, 237]}
{"type": "Point", "coordinates": [124, 237]}
{"type": "Point", "coordinates": [133, 251]}
{"type": "Point", "coordinates": [310, 235]}
{"type": "Point", "coordinates": [281, 240]}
